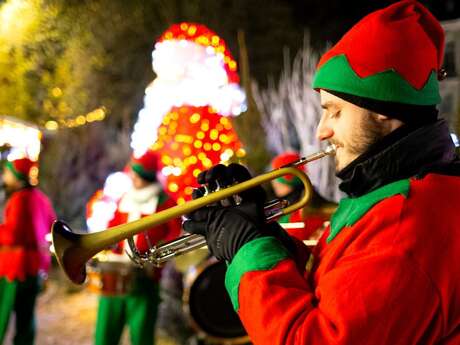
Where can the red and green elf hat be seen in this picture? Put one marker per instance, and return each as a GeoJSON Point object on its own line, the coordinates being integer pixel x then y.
{"type": "Point", "coordinates": [21, 168]}
{"type": "Point", "coordinates": [284, 159]}
{"type": "Point", "coordinates": [391, 55]}
{"type": "Point", "coordinates": [146, 166]}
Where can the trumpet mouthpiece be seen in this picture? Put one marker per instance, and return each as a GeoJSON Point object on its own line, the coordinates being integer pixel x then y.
{"type": "Point", "coordinates": [330, 150]}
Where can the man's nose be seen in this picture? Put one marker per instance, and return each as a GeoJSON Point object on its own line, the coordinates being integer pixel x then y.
{"type": "Point", "coordinates": [324, 132]}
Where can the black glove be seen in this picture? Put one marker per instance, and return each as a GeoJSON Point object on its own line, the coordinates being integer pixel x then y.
{"type": "Point", "coordinates": [228, 228]}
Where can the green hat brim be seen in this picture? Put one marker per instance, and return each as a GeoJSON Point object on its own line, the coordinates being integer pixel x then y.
{"type": "Point", "coordinates": [146, 175]}
{"type": "Point", "coordinates": [336, 74]}
{"type": "Point", "coordinates": [20, 176]}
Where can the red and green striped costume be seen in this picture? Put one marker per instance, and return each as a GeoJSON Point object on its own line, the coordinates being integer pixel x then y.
{"type": "Point", "coordinates": [386, 272]}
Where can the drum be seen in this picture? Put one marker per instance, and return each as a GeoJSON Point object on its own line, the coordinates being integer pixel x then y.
{"type": "Point", "coordinates": [110, 278]}
{"type": "Point", "coordinates": [207, 303]}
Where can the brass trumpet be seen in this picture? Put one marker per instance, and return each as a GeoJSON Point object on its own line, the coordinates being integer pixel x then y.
{"type": "Point", "coordinates": [73, 249]}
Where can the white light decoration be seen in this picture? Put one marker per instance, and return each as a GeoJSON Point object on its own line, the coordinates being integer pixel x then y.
{"type": "Point", "coordinates": [24, 139]}
{"type": "Point", "coordinates": [103, 208]}
{"type": "Point", "coordinates": [102, 213]}
{"type": "Point", "coordinates": [187, 74]}
{"type": "Point", "coordinates": [116, 185]}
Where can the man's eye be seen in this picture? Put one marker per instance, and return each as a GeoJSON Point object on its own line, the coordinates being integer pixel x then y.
{"type": "Point", "coordinates": [334, 115]}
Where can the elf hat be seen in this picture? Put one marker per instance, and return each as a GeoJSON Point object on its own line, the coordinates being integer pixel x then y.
{"type": "Point", "coordinates": [392, 56]}
{"type": "Point", "coordinates": [146, 166]}
{"type": "Point", "coordinates": [21, 168]}
{"type": "Point", "coordinates": [282, 160]}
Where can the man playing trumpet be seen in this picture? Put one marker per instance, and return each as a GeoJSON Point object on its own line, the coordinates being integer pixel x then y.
{"type": "Point", "coordinates": [385, 270]}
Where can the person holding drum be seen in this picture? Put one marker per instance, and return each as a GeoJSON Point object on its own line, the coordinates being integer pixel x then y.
{"type": "Point", "coordinates": [137, 307]}
{"type": "Point", "coordinates": [24, 251]}
{"type": "Point", "coordinates": [386, 270]}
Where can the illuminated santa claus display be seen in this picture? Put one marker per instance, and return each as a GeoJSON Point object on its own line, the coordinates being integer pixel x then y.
{"type": "Point", "coordinates": [188, 110]}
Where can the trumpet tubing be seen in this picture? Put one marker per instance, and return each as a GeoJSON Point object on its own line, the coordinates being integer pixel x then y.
{"type": "Point", "coordinates": [73, 249]}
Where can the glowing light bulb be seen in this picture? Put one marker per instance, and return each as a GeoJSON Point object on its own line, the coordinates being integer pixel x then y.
{"type": "Point", "coordinates": [191, 30]}
{"type": "Point", "coordinates": [240, 153]}
{"type": "Point", "coordinates": [223, 138]}
{"type": "Point", "coordinates": [187, 150]}
{"type": "Point", "coordinates": [166, 160]}
{"type": "Point", "coordinates": [195, 118]}
{"type": "Point", "coordinates": [173, 187]}
{"type": "Point", "coordinates": [214, 134]}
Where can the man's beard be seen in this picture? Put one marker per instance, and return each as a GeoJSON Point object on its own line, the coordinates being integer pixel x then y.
{"type": "Point", "coordinates": [368, 133]}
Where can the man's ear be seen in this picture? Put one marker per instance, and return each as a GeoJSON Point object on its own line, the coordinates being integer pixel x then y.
{"type": "Point", "coordinates": [380, 117]}
{"type": "Point", "coordinates": [390, 122]}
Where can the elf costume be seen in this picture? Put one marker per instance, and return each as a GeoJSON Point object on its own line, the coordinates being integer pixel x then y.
{"type": "Point", "coordinates": [24, 252]}
{"type": "Point", "coordinates": [386, 271]}
{"type": "Point", "coordinates": [139, 307]}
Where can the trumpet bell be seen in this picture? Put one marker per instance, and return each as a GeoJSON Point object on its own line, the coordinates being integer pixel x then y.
{"type": "Point", "coordinates": [69, 254]}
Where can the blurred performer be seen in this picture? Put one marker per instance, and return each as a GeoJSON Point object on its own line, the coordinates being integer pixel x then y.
{"type": "Point", "coordinates": [24, 253]}
{"type": "Point", "coordinates": [311, 218]}
{"type": "Point", "coordinates": [138, 308]}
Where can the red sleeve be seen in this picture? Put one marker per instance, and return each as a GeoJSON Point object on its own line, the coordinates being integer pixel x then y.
{"type": "Point", "coordinates": [370, 298]}
{"type": "Point", "coordinates": [16, 217]}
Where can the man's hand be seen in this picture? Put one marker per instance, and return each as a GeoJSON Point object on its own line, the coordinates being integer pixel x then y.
{"type": "Point", "coordinates": [228, 228]}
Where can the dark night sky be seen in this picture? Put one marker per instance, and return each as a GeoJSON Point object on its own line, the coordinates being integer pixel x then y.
{"type": "Point", "coordinates": [340, 15]}
{"type": "Point", "coordinates": [327, 21]}
{"type": "Point", "coordinates": [272, 25]}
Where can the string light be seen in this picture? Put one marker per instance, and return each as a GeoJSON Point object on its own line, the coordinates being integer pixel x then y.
{"type": "Point", "coordinates": [98, 114]}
